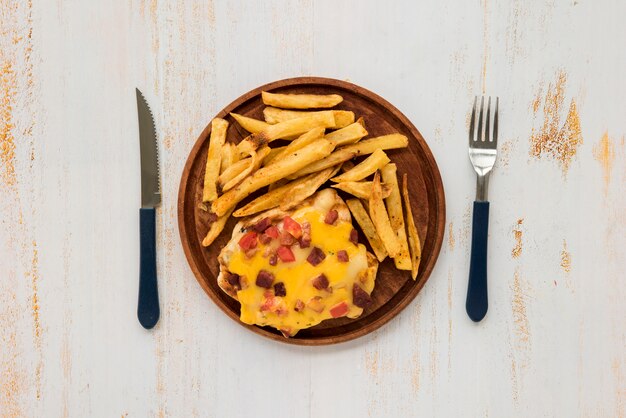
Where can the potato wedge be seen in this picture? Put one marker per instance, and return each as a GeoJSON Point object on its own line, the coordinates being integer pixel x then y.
{"type": "Point", "coordinates": [214, 159]}
{"type": "Point", "coordinates": [272, 198]}
{"type": "Point", "coordinates": [364, 221]}
{"type": "Point", "coordinates": [300, 101]}
{"type": "Point", "coordinates": [234, 170]}
{"type": "Point", "coordinates": [305, 189]}
{"type": "Point", "coordinates": [251, 125]}
{"type": "Point", "coordinates": [348, 135]}
{"type": "Point", "coordinates": [216, 229]}
{"type": "Point", "coordinates": [274, 115]}
{"type": "Point", "coordinates": [256, 160]}
{"type": "Point", "coordinates": [366, 146]}
{"type": "Point", "coordinates": [286, 129]}
{"type": "Point", "coordinates": [414, 239]}
{"type": "Point", "coordinates": [361, 189]}
{"type": "Point", "coordinates": [377, 160]}
{"type": "Point", "coordinates": [273, 152]}
{"type": "Point", "coordinates": [402, 260]}
{"type": "Point", "coordinates": [298, 143]}
{"type": "Point", "coordinates": [380, 219]}
{"type": "Point", "coordinates": [229, 156]}
{"type": "Point", "coordinates": [267, 175]}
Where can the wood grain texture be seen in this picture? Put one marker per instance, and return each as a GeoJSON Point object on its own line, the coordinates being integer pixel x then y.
{"type": "Point", "coordinates": [553, 341]}
{"type": "Point", "coordinates": [394, 289]}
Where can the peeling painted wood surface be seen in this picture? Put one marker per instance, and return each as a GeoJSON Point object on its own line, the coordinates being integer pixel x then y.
{"type": "Point", "coordinates": [554, 340]}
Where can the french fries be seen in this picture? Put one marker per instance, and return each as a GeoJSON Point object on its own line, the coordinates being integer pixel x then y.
{"type": "Point", "coordinates": [414, 239]}
{"type": "Point", "coordinates": [367, 146]}
{"type": "Point", "coordinates": [300, 101]}
{"type": "Point", "coordinates": [272, 198]}
{"type": "Point", "coordinates": [269, 174]}
{"type": "Point", "coordinates": [234, 170]}
{"type": "Point", "coordinates": [380, 219]}
{"type": "Point", "coordinates": [286, 129]}
{"type": "Point", "coordinates": [348, 135]}
{"type": "Point", "coordinates": [214, 159]}
{"type": "Point", "coordinates": [305, 189]}
{"type": "Point", "coordinates": [361, 189]}
{"type": "Point", "coordinates": [273, 152]}
{"type": "Point", "coordinates": [255, 162]}
{"type": "Point", "coordinates": [364, 221]}
{"type": "Point", "coordinates": [254, 126]}
{"type": "Point", "coordinates": [303, 140]}
{"type": "Point", "coordinates": [229, 156]}
{"type": "Point", "coordinates": [402, 260]}
{"type": "Point", "coordinates": [274, 115]}
{"type": "Point", "coordinates": [375, 161]}
{"type": "Point", "coordinates": [215, 229]}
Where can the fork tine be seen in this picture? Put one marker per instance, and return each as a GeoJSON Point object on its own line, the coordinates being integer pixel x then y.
{"type": "Point", "coordinates": [487, 119]}
{"type": "Point", "coordinates": [480, 120]}
{"type": "Point", "coordinates": [471, 128]}
{"type": "Point", "coordinates": [495, 123]}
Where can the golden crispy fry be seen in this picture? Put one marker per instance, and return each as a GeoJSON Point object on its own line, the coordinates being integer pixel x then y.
{"type": "Point", "coordinates": [267, 175]}
{"type": "Point", "coordinates": [366, 146]}
{"type": "Point", "coordinates": [256, 160]}
{"type": "Point", "coordinates": [274, 115]}
{"type": "Point", "coordinates": [361, 189]}
{"type": "Point", "coordinates": [306, 188]}
{"type": "Point", "coordinates": [414, 239]}
{"type": "Point", "coordinates": [361, 122]}
{"type": "Point", "coordinates": [348, 135]}
{"type": "Point", "coordinates": [300, 101]}
{"type": "Point", "coordinates": [234, 170]}
{"type": "Point", "coordinates": [380, 218]}
{"type": "Point", "coordinates": [286, 129]}
{"type": "Point", "coordinates": [402, 260]}
{"type": "Point", "coordinates": [364, 221]}
{"type": "Point", "coordinates": [214, 159]}
{"type": "Point", "coordinates": [249, 124]}
{"type": "Point", "coordinates": [273, 152]}
{"type": "Point", "coordinates": [229, 156]}
{"type": "Point", "coordinates": [216, 229]}
{"type": "Point", "coordinates": [272, 198]}
{"type": "Point", "coordinates": [367, 167]}
{"type": "Point", "coordinates": [299, 143]}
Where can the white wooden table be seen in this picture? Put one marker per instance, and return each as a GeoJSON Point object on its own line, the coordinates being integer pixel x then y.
{"type": "Point", "coordinates": [554, 340]}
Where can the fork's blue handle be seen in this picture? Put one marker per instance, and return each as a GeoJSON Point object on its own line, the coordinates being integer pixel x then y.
{"type": "Point", "coordinates": [148, 305]}
{"type": "Point", "coordinates": [477, 302]}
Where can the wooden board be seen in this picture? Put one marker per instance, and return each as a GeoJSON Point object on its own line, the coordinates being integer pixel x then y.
{"type": "Point", "coordinates": [394, 289]}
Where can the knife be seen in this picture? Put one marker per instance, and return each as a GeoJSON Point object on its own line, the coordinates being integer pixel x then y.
{"type": "Point", "coordinates": [148, 305]}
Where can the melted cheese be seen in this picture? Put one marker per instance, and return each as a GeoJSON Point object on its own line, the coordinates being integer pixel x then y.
{"type": "Point", "coordinates": [297, 276]}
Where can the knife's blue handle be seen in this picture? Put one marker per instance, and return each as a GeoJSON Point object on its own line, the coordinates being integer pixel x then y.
{"type": "Point", "coordinates": [148, 305]}
{"type": "Point", "coordinates": [477, 302]}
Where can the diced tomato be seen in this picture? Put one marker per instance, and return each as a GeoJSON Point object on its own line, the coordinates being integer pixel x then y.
{"type": "Point", "coordinates": [292, 227]}
{"type": "Point", "coordinates": [285, 254]}
{"type": "Point", "coordinates": [248, 241]}
{"type": "Point", "coordinates": [272, 231]}
{"type": "Point", "coordinates": [340, 309]}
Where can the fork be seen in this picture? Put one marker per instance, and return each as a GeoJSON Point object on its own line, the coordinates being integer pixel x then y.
{"type": "Point", "coordinates": [482, 154]}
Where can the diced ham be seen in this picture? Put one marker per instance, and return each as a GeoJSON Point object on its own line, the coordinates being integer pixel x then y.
{"type": "Point", "coordinates": [264, 279]}
{"type": "Point", "coordinates": [305, 239]}
{"type": "Point", "coordinates": [262, 225]}
{"type": "Point", "coordinates": [248, 241]}
{"type": "Point", "coordinates": [316, 256]}
{"type": "Point", "coordinates": [292, 227]}
{"type": "Point", "coordinates": [339, 310]}
{"type": "Point", "coordinates": [354, 237]}
{"type": "Point", "coordinates": [272, 232]}
{"type": "Point", "coordinates": [287, 239]}
{"type": "Point", "coordinates": [342, 255]}
{"type": "Point", "coordinates": [233, 280]}
{"type": "Point", "coordinates": [320, 282]}
{"type": "Point", "coordinates": [285, 254]}
{"type": "Point", "coordinates": [331, 217]}
{"type": "Point", "coordinates": [273, 260]}
{"type": "Point", "coordinates": [299, 306]}
{"type": "Point", "coordinates": [279, 289]}
{"type": "Point", "coordinates": [265, 239]}
{"type": "Point", "coordinates": [360, 297]}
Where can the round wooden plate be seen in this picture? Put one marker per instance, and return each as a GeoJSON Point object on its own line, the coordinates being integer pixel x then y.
{"type": "Point", "coordinates": [394, 289]}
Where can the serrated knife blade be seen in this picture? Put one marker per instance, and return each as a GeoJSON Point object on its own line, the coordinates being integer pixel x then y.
{"type": "Point", "coordinates": [148, 310]}
{"type": "Point", "coordinates": [150, 184]}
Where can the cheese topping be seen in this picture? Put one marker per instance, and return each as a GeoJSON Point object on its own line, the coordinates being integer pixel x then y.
{"type": "Point", "coordinates": [305, 303]}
